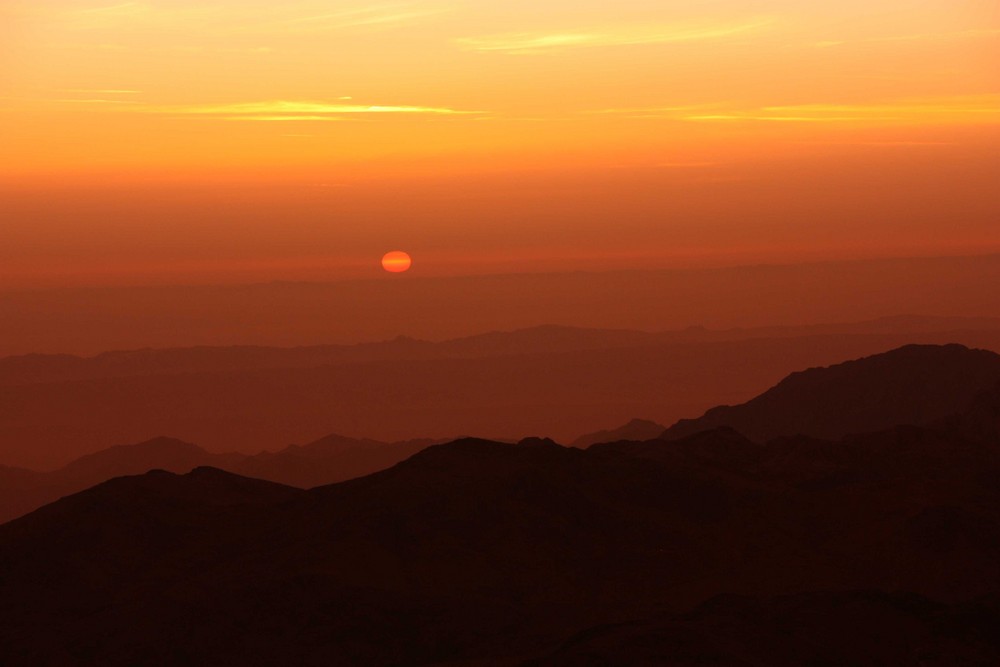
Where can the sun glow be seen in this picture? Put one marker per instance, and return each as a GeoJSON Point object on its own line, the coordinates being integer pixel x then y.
{"type": "Point", "coordinates": [396, 261]}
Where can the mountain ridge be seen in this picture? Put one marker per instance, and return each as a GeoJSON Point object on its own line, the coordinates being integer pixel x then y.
{"type": "Point", "coordinates": [913, 384]}
{"type": "Point", "coordinates": [330, 459]}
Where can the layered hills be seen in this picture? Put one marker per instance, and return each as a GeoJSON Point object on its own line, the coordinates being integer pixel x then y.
{"type": "Point", "coordinates": [553, 381]}
{"type": "Point", "coordinates": [878, 547]}
{"type": "Point", "coordinates": [331, 459]}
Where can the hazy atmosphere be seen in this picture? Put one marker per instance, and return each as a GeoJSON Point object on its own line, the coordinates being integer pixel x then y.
{"type": "Point", "coordinates": [510, 334]}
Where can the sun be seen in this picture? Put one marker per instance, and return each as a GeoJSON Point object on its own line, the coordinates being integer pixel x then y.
{"type": "Point", "coordinates": [396, 261]}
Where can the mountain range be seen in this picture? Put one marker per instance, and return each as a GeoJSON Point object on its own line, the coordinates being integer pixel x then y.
{"type": "Point", "coordinates": [553, 381]}
{"type": "Point", "coordinates": [90, 320]}
{"type": "Point", "coordinates": [878, 547]}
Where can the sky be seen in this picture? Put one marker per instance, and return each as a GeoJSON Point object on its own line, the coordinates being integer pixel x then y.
{"type": "Point", "coordinates": [183, 141]}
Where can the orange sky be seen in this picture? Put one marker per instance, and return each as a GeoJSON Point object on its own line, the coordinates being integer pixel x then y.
{"type": "Point", "coordinates": [184, 141]}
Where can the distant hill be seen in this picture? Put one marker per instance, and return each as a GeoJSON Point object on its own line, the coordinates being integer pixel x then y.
{"type": "Point", "coordinates": [85, 320]}
{"type": "Point", "coordinates": [914, 384]}
{"type": "Point", "coordinates": [331, 459]}
{"type": "Point", "coordinates": [162, 453]}
{"type": "Point", "coordinates": [48, 368]}
{"type": "Point", "coordinates": [54, 368]}
{"type": "Point", "coordinates": [557, 382]}
{"type": "Point", "coordinates": [636, 429]}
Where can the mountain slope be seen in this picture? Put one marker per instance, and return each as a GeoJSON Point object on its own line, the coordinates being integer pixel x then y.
{"type": "Point", "coordinates": [333, 458]}
{"type": "Point", "coordinates": [33, 489]}
{"type": "Point", "coordinates": [914, 384]}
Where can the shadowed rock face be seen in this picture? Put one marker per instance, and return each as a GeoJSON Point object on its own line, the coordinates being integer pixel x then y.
{"type": "Point", "coordinates": [915, 384]}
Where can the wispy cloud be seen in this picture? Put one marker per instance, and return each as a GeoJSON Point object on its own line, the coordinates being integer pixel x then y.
{"type": "Point", "coordinates": [979, 108]}
{"type": "Point", "coordinates": [212, 19]}
{"type": "Point", "coordinates": [278, 110]}
{"type": "Point", "coordinates": [915, 37]}
{"type": "Point", "coordinates": [99, 91]}
{"type": "Point", "coordinates": [887, 144]}
{"type": "Point", "coordinates": [78, 100]}
{"type": "Point", "coordinates": [654, 112]}
{"type": "Point", "coordinates": [284, 109]}
{"type": "Point", "coordinates": [975, 109]}
{"type": "Point", "coordinates": [162, 48]}
{"type": "Point", "coordinates": [264, 118]}
{"type": "Point", "coordinates": [629, 35]}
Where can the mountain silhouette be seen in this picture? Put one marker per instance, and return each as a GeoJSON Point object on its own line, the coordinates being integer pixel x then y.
{"type": "Point", "coordinates": [165, 453]}
{"type": "Point", "coordinates": [555, 381]}
{"type": "Point", "coordinates": [52, 368]}
{"type": "Point", "coordinates": [89, 320]}
{"type": "Point", "coordinates": [636, 429]}
{"type": "Point", "coordinates": [46, 368]}
{"type": "Point", "coordinates": [478, 550]}
{"type": "Point", "coordinates": [29, 489]}
{"type": "Point", "coordinates": [914, 384]}
{"type": "Point", "coordinates": [333, 458]}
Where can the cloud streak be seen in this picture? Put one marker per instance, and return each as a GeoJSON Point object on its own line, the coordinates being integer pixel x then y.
{"type": "Point", "coordinates": [917, 37]}
{"type": "Point", "coordinates": [100, 91]}
{"type": "Point", "coordinates": [212, 19]}
{"type": "Point", "coordinates": [282, 109]}
{"type": "Point", "coordinates": [277, 110]}
{"type": "Point", "coordinates": [265, 118]}
{"type": "Point", "coordinates": [971, 109]}
{"type": "Point", "coordinates": [634, 35]}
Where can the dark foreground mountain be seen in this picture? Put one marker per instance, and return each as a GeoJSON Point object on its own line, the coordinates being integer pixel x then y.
{"type": "Point", "coordinates": [331, 459]}
{"type": "Point", "coordinates": [880, 548]}
{"type": "Point", "coordinates": [914, 384]}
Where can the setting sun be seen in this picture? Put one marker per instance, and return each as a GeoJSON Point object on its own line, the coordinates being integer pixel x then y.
{"type": "Point", "coordinates": [396, 261]}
